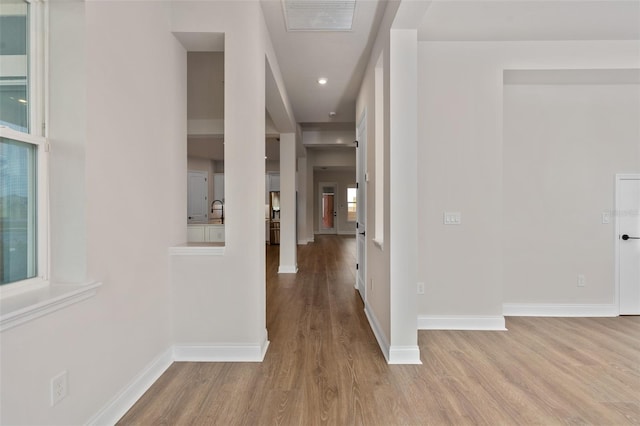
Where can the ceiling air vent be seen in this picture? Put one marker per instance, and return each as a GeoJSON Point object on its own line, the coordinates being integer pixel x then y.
{"type": "Point", "coordinates": [319, 15]}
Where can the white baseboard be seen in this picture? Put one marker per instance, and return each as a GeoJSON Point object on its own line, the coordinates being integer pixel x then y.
{"type": "Point", "coordinates": [219, 353]}
{"type": "Point", "coordinates": [404, 355]}
{"type": "Point", "coordinates": [131, 393]}
{"type": "Point", "coordinates": [459, 322]}
{"type": "Point", "coordinates": [377, 331]}
{"type": "Point", "coordinates": [288, 269]}
{"type": "Point", "coordinates": [559, 310]}
{"type": "Point", "coordinates": [347, 232]}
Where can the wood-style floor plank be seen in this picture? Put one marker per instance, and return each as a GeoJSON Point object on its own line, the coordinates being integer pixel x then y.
{"type": "Point", "coordinates": [324, 366]}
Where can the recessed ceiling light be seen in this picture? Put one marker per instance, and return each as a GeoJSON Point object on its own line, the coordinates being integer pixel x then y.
{"type": "Point", "coordinates": [322, 80]}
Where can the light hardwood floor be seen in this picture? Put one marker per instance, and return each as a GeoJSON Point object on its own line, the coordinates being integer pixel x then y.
{"type": "Point", "coordinates": [324, 366]}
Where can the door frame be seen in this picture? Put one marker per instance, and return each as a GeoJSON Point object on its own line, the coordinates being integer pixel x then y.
{"type": "Point", "coordinates": [361, 183]}
{"type": "Point", "coordinates": [336, 195]}
{"type": "Point", "coordinates": [616, 229]}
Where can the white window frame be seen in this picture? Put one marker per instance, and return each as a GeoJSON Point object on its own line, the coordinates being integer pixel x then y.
{"type": "Point", "coordinates": [37, 82]}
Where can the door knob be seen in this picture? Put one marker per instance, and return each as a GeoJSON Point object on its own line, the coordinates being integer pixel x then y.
{"type": "Point", "coordinates": [627, 237]}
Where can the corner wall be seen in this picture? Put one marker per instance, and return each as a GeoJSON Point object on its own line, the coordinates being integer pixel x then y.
{"type": "Point", "coordinates": [461, 157]}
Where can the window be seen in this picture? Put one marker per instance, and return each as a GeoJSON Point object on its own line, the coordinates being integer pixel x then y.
{"type": "Point", "coordinates": [352, 203]}
{"type": "Point", "coordinates": [23, 206]}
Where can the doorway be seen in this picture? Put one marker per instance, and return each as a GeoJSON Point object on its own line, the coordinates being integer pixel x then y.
{"type": "Point", "coordinates": [627, 214]}
{"type": "Point", "coordinates": [327, 192]}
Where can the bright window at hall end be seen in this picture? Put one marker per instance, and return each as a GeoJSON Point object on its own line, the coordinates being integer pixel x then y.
{"type": "Point", "coordinates": [352, 204]}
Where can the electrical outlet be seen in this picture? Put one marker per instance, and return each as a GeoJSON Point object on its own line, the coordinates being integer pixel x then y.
{"type": "Point", "coordinates": [582, 281]}
{"type": "Point", "coordinates": [58, 388]}
{"type": "Point", "coordinates": [420, 288]}
{"type": "Point", "coordinates": [452, 218]}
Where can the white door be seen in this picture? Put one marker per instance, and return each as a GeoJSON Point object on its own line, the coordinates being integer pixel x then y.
{"type": "Point", "coordinates": [628, 233]}
{"type": "Point", "coordinates": [197, 201]}
{"type": "Point", "coordinates": [327, 203]}
{"type": "Point", "coordinates": [361, 206]}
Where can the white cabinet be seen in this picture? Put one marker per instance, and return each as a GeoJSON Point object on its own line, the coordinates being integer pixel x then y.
{"type": "Point", "coordinates": [215, 233]}
{"type": "Point", "coordinates": [205, 233]}
{"type": "Point", "coordinates": [273, 182]}
{"type": "Point", "coordinates": [196, 233]}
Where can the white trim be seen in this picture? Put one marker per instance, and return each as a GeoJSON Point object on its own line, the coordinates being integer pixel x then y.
{"type": "Point", "coordinates": [131, 393]}
{"type": "Point", "coordinates": [377, 331]}
{"type": "Point", "coordinates": [197, 250]}
{"type": "Point", "coordinates": [404, 355]}
{"type": "Point", "coordinates": [29, 305]}
{"type": "Point", "coordinates": [220, 353]}
{"type": "Point", "coordinates": [559, 310]}
{"type": "Point", "coordinates": [353, 232]}
{"type": "Point", "coordinates": [288, 269]}
{"type": "Point", "coordinates": [461, 322]}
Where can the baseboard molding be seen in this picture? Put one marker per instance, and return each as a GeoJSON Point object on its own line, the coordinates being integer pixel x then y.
{"type": "Point", "coordinates": [377, 331]}
{"type": "Point", "coordinates": [130, 394]}
{"type": "Point", "coordinates": [219, 353]}
{"type": "Point", "coordinates": [404, 355]}
{"type": "Point", "coordinates": [288, 269]}
{"type": "Point", "coordinates": [559, 310]}
{"type": "Point", "coordinates": [460, 322]}
{"type": "Point", "coordinates": [347, 232]}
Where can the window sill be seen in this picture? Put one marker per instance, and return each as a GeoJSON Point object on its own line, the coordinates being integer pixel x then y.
{"type": "Point", "coordinates": [32, 304]}
{"type": "Point", "coordinates": [198, 249]}
{"type": "Point", "coordinates": [378, 243]}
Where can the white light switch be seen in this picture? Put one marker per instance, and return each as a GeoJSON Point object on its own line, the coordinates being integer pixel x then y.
{"type": "Point", "coordinates": [452, 218]}
{"type": "Point", "coordinates": [606, 217]}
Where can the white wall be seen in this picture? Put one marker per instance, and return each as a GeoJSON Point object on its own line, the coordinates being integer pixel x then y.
{"type": "Point", "coordinates": [563, 145]}
{"type": "Point", "coordinates": [378, 298]}
{"type": "Point", "coordinates": [343, 179]}
{"type": "Point", "coordinates": [219, 301]}
{"type": "Point", "coordinates": [461, 165]}
{"type": "Point", "coordinates": [135, 105]}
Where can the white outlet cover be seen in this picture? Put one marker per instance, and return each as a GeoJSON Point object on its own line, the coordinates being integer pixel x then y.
{"type": "Point", "coordinates": [59, 388]}
{"type": "Point", "coordinates": [452, 218]}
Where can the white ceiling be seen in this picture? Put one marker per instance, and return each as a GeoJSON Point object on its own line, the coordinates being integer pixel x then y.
{"type": "Point", "coordinates": [519, 20]}
{"type": "Point", "coordinates": [340, 56]}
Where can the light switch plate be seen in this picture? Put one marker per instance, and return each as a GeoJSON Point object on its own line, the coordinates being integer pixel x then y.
{"type": "Point", "coordinates": [606, 217]}
{"type": "Point", "coordinates": [452, 218]}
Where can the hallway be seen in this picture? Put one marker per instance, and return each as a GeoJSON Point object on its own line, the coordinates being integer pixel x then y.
{"type": "Point", "coordinates": [324, 366]}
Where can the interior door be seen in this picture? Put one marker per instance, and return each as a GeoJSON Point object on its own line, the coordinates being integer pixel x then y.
{"type": "Point", "coordinates": [628, 230]}
{"type": "Point", "coordinates": [327, 203]}
{"type": "Point", "coordinates": [197, 201]}
{"type": "Point", "coordinates": [361, 206]}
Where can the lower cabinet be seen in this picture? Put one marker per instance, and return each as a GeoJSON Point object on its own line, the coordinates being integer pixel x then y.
{"type": "Point", "coordinates": [205, 233]}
